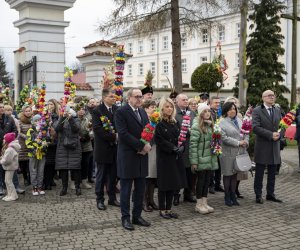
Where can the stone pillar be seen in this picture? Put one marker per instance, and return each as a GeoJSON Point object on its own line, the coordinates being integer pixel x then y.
{"type": "Point", "coordinates": [42, 33]}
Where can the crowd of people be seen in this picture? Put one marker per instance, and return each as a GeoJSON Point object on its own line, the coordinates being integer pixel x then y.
{"type": "Point", "coordinates": [100, 143]}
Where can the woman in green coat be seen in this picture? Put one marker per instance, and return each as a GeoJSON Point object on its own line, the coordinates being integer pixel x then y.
{"type": "Point", "coordinates": [202, 160]}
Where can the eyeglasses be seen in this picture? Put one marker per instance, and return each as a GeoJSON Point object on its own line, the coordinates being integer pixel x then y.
{"type": "Point", "coordinates": [138, 97]}
{"type": "Point", "coordinates": [269, 96]}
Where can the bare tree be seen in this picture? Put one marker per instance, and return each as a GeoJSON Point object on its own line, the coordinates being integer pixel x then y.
{"type": "Point", "coordinates": [145, 17]}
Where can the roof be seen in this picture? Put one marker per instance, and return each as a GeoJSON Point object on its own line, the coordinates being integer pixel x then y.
{"type": "Point", "coordinates": [102, 43]}
{"type": "Point", "coordinates": [79, 80]}
{"type": "Point", "coordinates": [97, 53]}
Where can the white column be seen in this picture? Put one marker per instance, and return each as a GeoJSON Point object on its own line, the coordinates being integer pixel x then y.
{"type": "Point", "coordinates": [42, 32]}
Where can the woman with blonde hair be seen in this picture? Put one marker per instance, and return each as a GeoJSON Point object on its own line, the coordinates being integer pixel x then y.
{"type": "Point", "coordinates": [170, 169]}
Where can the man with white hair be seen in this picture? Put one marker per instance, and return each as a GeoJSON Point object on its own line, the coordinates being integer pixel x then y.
{"type": "Point", "coordinates": [182, 103]}
{"type": "Point", "coordinates": [265, 122]}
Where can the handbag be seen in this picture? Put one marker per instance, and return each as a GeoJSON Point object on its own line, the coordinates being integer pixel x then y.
{"type": "Point", "coordinates": [243, 162]}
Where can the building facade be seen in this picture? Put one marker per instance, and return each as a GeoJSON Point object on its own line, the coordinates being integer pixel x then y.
{"type": "Point", "coordinates": [154, 52]}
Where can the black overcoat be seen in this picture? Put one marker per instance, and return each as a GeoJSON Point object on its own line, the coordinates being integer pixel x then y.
{"type": "Point", "coordinates": [67, 158]}
{"type": "Point", "coordinates": [179, 118]}
{"type": "Point", "coordinates": [266, 151]}
{"type": "Point", "coordinates": [170, 168]}
{"type": "Point", "coordinates": [130, 164]}
{"type": "Point", "coordinates": [105, 148]}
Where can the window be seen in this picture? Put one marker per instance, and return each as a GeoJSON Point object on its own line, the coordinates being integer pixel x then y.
{"type": "Point", "coordinates": [141, 69]}
{"type": "Point", "coordinates": [165, 67]}
{"type": "Point", "coordinates": [183, 65]}
{"type": "Point", "coordinates": [130, 49]}
{"type": "Point", "coordinates": [204, 35]}
{"type": "Point", "coordinates": [203, 59]}
{"type": "Point", "coordinates": [140, 47]}
{"type": "Point", "coordinates": [238, 30]}
{"type": "Point", "coordinates": [152, 67]}
{"type": "Point", "coordinates": [183, 39]}
{"type": "Point", "coordinates": [152, 44]}
{"type": "Point", "coordinates": [165, 42]}
{"type": "Point", "coordinates": [221, 31]}
{"type": "Point", "coordinates": [237, 60]}
{"type": "Point", "coordinates": [129, 69]}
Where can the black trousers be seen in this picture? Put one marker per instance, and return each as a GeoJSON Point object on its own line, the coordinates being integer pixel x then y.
{"type": "Point", "coordinates": [64, 174]}
{"type": "Point", "coordinates": [105, 173]}
{"type": "Point", "coordinates": [49, 172]}
{"type": "Point", "coordinates": [215, 179]}
{"type": "Point", "coordinates": [165, 199]}
{"type": "Point", "coordinates": [125, 192]}
{"type": "Point", "coordinates": [259, 176]}
{"type": "Point", "coordinates": [24, 166]}
{"type": "Point", "coordinates": [188, 191]}
{"type": "Point", "coordinates": [203, 183]}
{"type": "Point", "coordinates": [299, 151]}
{"type": "Point", "coordinates": [85, 161]}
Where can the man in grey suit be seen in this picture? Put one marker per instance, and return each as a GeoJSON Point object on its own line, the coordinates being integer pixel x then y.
{"type": "Point", "coordinates": [265, 122]}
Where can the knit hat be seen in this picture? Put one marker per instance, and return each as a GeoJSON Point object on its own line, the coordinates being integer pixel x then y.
{"type": "Point", "coordinates": [9, 137]}
{"type": "Point", "coordinates": [202, 107]}
{"type": "Point", "coordinates": [36, 118]}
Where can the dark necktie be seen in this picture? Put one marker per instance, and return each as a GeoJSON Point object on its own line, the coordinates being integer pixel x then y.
{"type": "Point", "coordinates": [138, 115]}
{"type": "Point", "coordinates": [183, 112]}
{"type": "Point", "coordinates": [110, 110]}
{"type": "Point", "coordinates": [271, 112]}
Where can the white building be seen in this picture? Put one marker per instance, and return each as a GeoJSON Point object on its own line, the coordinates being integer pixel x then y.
{"type": "Point", "coordinates": [154, 52]}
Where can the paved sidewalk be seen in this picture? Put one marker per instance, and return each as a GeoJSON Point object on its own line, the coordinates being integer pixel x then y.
{"type": "Point", "coordinates": [52, 222]}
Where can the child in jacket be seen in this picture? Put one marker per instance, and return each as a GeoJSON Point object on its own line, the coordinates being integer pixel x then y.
{"type": "Point", "coordinates": [9, 161]}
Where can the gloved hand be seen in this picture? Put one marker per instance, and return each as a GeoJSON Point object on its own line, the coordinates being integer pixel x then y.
{"type": "Point", "coordinates": [178, 150]}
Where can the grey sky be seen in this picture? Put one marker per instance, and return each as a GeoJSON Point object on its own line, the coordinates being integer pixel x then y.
{"type": "Point", "coordinates": [83, 18]}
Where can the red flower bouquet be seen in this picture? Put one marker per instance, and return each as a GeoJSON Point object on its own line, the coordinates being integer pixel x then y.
{"type": "Point", "coordinates": [185, 126]}
{"type": "Point", "coordinates": [149, 129]}
{"type": "Point", "coordinates": [288, 119]}
{"type": "Point", "coordinates": [247, 122]}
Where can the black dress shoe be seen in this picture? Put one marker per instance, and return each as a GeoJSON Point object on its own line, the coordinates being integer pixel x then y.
{"type": "Point", "coordinates": [127, 225]}
{"type": "Point", "coordinates": [173, 215]}
{"type": "Point", "coordinates": [141, 222]}
{"type": "Point", "coordinates": [164, 215]}
{"type": "Point", "coordinates": [273, 198]}
{"type": "Point", "coordinates": [100, 205]}
{"type": "Point", "coordinates": [219, 189]}
{"type": "Point", "coordinates": [190, 199]}
{"type": "Point", "coordinates": [259, 200]}
{"type": "Point", "coordinates": [114, 203]}
{"type": "Point", "coordinates": [211, 190]}
{"type": "Point", "coordinates": [63, 191]}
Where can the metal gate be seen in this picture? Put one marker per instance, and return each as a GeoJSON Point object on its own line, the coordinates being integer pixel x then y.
{"type": "Point", "coordinates": [27, 73]}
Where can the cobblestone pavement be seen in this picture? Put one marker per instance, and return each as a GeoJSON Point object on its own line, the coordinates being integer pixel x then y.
{"type": "Point", "coordinates": [53, 222]}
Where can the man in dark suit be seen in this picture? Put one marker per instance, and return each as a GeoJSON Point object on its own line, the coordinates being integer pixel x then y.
{"type": "Point", "coordinates": [105, 150]}
{"type": "Point", "coordinates": [132, 157]}
{"type": "Point", "coordinates": [215, 178]}
{"type": "Point", "coordinates": [182, 109]}
{"type": "Point", "coordinates": [265, 121]}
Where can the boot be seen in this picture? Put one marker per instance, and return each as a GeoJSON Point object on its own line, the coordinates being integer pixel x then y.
{"type": "Point", "coordinates": [146, 206]}
{"type": "Point", "coordinates": [176, 199]}
{"type": "Point", "coordinates": [200, 207]}
{"type": "Point", "coordinates": [85, 185]}
{"type": "Point", "coordinates": [233, 199]}
{"type": "Point", "coordinates": [63, 191]}
{"type": "Point", "coordinates": [227, 199]}
{"type": "Point", "coordinates": [210, 209]}
{"type": "Point", "coordinates": [151, 197]}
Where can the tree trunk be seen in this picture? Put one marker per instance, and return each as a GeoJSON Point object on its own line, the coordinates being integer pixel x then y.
{"type": "Point", "coordinates": [176, 46]}
{"type": "Point", "coordinates": [243, 85]}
